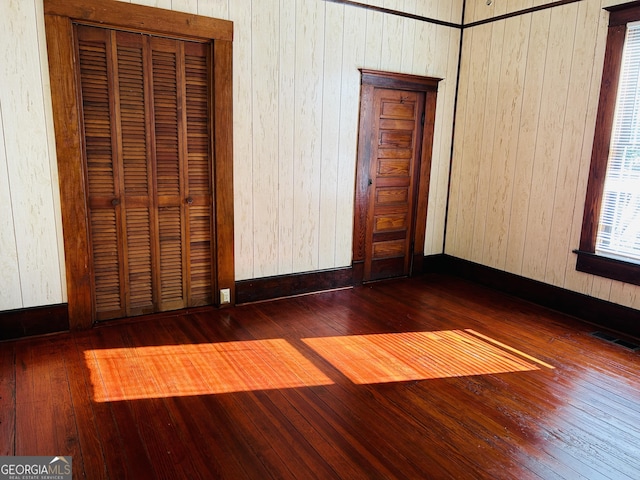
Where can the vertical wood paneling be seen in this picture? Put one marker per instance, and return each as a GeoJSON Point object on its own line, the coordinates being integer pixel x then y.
{"type": "Point", "coordinates": [625, 294]}
{"type": "Point", "coordinates": [548, 142]}
{"type": "Point", "coordinates": [575, 280]}
{"type": "Point", "coordinates": [331, 98]}
{"type": "Point", "coordinates": [473, 94]}
{"type": "Point", "coordinates": [504, 155]}
{"type": "Point", "coordinates": [240, 14]}
{"type": "Point", "coordinates": [51, 142]}
{"type": "Point", "coordinates": [487, 142]}
{"type": "Point", "coordinates": [373, 41]}
{"type": "Point", "coordinates": [541, 207]}
{"type": "Point", "coordinates": [528, 126]}
{"type": "Point", "coordinates": [599, 287]}
{"type": "Point", "coordinates": [452, 233]}
{"type": "Point", "coordinates": [439, 191]}
{"type": "Point", "coordinates": [214, 8]}
{"type": "Point", "coordinates": [264, 73]}
{"type": "Point", "coordinates": [308, 124]}
{"type": "Point", "coordinates": [572, 139]}
{"type": "Point", "coordinates": [392, 38]}
{"type": "Point", "coordinates": [11, 295]}
{"type": "Point", "coordinates": [286, 136]}
{"type": "Point", "coordinates": [424, 40]}
{"type": "Point", "coordinates": [436, 54]}
{"type": "Point", "coordinates": [477, 10]}
{"type": "Point", "coordinates": [447, 62]}
{"type": "Point", "coordinates": [188, 6]}
{"type": "Point", "coordinates": [352, 57]}
{"type": "Point", "coordinates": [27, 163]}
{"type": "Point", "coordinates": [408, 36]}
{"type": "Point", "coordinates": [296, 97]}
{"type": "Point", "coordinates": [288, 58]}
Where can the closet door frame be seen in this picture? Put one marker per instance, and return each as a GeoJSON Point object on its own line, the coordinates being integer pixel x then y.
{"type": "Point", "coordinates": [60, 16]}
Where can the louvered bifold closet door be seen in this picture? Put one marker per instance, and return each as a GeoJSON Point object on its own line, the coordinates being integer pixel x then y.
{"type": "Point", "coordinates": [102, 172]}
{"type": "Point", "coordinates": [180, 72]}
{"type": "Point", "coordinates": [199, 176]}
{"type": "Point", "coordinates": [148, 154]}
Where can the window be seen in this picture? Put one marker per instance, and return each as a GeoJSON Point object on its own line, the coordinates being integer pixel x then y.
{"type": "Point", "coordinates": [610, 241]}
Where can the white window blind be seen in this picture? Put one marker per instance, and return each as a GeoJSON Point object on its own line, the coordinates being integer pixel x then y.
{"type": "Point", "coordinates": [619, 226]}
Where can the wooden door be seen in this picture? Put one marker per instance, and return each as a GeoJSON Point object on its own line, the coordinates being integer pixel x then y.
{"type": "Point", "coordinates": [147, 158]}
{"type": "Point", "coordinates": [395, 153]}
{"type": "Point", "coordinates": [394, 157]}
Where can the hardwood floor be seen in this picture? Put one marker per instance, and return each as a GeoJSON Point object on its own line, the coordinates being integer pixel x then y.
{"type": "Point", "coordinates": [416, 378]}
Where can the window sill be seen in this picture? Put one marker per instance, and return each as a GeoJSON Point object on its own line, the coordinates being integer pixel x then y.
{"type": "Point", "coordinates": [608, 267]}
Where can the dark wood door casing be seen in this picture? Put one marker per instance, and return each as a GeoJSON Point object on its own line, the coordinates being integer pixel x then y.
{"type": "Point", "coordinates": [60, 18]}
{"type": "Point", "coordinates": [389, 233]}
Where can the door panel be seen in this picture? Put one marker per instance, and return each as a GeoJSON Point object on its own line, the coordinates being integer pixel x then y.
{"type": "Point", "coordinates": [393, 168]}
{"type": "Point", "coordinates": [96, 75]}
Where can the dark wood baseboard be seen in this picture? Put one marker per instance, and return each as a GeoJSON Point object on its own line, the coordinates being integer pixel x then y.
{"type": "Point", "coordinates": [54, 318]}
{"type": "Point", "coordinates": [26, 322]}
{"type": "Point", "coordinates": [279, 286]}
{"type": "Point", "coordinates": [590, 309]}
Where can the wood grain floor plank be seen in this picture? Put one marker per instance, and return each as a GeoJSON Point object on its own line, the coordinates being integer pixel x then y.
{"type": "Point", "coordinates": [7, 400]}
{"type": "Point", "coordinates": [267, 391]}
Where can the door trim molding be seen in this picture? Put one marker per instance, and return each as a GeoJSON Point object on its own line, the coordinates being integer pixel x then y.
{"type": "Point", "coordinates": [60, 15]}
{"type": "Point", "coordinates": [370, 80]}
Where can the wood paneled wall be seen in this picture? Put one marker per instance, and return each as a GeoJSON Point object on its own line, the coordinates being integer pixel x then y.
{"type": "Point", "coordinates": [296, 103]}
{"type": "Point", "coordinates": [524, 127]}
{"type": "Point", "coordinates": [31, 265]}
{"type": "Point", "coordinates": [297, 95]}
{"type": "Point", "coordinates": [524, 131]}
{"type": "Point", "coordinates": [478, 10]}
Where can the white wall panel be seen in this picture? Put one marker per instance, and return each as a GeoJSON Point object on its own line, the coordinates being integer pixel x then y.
{"type": "Point", "coordinates": [308, 133]}
{"type": "Point", "coordinates": [265, 80]}
{"type": "Point", "coordinates": [240, 12]}
{"type": "Point", "coordinates": [392, 43]}
{"type": "Point", "coordinates": [570, 158]}
{"type": "Point", "coordinates": [520, 168]}
{"type": "Point", "coordinates": [374, 37]}
{"type": "Point", "coordinates": [352, 58]}
{"type": "Point", "coordinates": [310, 144]}
{"type": "Point", "coordinates": [469, 139]}
{"type": "Point", "coordinates": [503, 156]}
{"type": "Point", "coordinates": [525, 119]}
{"type": "Point", "coordinates": [10, 291]}
{"type": "Point", "coordinates": [439, 187]}
{"type": "Point", "coordinates": [527, 132]}
{"type": "Point", "coordinates": [575, 280]}
{"type": "Point", "coordinates": [214, 8]}
{"type": "Point", "coordinates": [483, 176]}
{"type": "Point", "coordinates": [330, 141]}
{"type": "Point", "coordinates": [26, 161]}
{"type": "Point", "coordinates": [286, 140]}
{"type": "Point", "coordinates": [553, 110]}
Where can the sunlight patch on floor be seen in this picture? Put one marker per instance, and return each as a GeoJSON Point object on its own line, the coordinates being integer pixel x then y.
{"type": "Point", "coordinates": [199, 369]}
{"type": "Point", "coordinates": [214, 368]}
{"type": "Point", "coordinates": [397, 357]}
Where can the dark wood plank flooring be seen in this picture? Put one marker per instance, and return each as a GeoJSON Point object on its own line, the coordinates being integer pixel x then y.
{"type": "Point", "coordinates": [428, 378]}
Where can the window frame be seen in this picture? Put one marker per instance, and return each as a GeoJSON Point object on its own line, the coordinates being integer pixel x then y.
{"type": "Point", "coordinates": [588, 260]}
